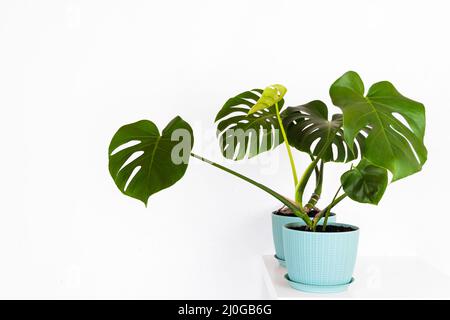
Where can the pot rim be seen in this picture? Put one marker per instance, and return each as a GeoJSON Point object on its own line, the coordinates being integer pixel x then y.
{"type": "Point", "coordinates": [289, 226]}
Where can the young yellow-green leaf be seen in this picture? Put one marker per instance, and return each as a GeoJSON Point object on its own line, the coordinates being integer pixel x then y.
{"type": "Point", "coordinates": [271, 95]}
{"type": "Point", "coordinates": [395, 124]}
{"type": "Point", "coordinates": [142, 161]}
{"type": "Point", "coordinates": [365, 183]}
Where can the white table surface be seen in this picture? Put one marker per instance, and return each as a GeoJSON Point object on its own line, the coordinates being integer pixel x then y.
{"type": "Point", "coordinates": [375, 278]}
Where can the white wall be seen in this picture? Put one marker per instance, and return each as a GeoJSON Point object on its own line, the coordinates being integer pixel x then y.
{"type": "Point", "coordinates": [72, 72]}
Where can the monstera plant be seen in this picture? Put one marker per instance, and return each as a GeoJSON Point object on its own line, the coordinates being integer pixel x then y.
{"type": "Point", "coordinates": [380, 132]}
{"type": "Point", "coordinates": [382, 128]}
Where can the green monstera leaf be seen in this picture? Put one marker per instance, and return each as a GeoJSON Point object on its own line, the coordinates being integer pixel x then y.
{"type": "Point", "coordinates": [365, 183]}
{"type": "Point", "coordinates": [242, 134]}
{"type": "Point", "coordinates": [309, 130]}
{"type": "Point", "coordinates": [271, 95]}
{"type": "Point", "coordinates": [396, 123]}
{"type": "Point", "coordinates": [142, 161]}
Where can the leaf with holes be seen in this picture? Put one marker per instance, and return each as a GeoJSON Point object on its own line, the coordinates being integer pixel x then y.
{"type": "Point", "coordinates": [397, 123]}
{"type": "Point", "coordinates": [142, 161]}
{"type": "Point", "coordinates": [308, 129]}
{"type": "Point", "coordinates": [365, 183]}
{"type": "Point", "coordinates": [241, 134]}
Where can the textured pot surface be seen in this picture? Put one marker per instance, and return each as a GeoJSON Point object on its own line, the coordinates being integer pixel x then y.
{"type": "Point", "coordinates": [278, 222]}
{"type": "Point", "coordinates": [318, 258]}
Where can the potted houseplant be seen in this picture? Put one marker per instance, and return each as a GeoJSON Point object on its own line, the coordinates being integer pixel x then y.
{"type": "Point", "coordinates": [389, 129]}
{"type": "Point", "coordinates": [382, 131]}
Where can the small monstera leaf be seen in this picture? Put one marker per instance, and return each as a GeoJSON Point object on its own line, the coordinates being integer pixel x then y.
{"type": "Point", "coordinates": [142, 161]}
{"type": "Point", "coordinates": [308, 124]}
{"type": "Point", "coordinates": [241, 133]}
{"type": "Point", "coordinates": [271, 95]}
{"type": "Point", "coordinates": [396, 123]}
{"type": "Point", "coordinates": [365, 183]}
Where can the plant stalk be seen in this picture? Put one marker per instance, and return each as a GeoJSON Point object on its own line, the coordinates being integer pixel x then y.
{"type": "Point", "coordinates": [300, 189]}
{"type": "Point", "coordinates": [273, 193]}
{"type": "Point", "coordinates": [333, 204]}
{"type": "Point", "coordinates": [288, 147]}
{"type": "Point", "coordinates": [318, 190]}
{"type": "Point", "coordinates": [327, 209]}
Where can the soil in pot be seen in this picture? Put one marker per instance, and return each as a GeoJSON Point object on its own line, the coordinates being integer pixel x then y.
{"type": "Point", "coordinates": [286, 212]}
{"type": "Point", "coordinates": [328, 229]}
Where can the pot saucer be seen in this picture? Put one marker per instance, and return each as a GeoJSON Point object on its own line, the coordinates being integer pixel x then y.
{"type": "Point", "coordinates": [280, 261]}
{"type": "Point", "coordinates": [318, 289]}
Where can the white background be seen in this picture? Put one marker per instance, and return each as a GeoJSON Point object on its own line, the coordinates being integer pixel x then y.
{"type": "Point", "coordinates": [73, 72]}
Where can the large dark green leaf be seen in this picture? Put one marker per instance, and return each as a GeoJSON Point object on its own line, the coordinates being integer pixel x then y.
{"type": "Point", "coordinates": [308, 129]}
{"type": "Point", "coordinates": [142, 161]}
{"type": "Point", "coordinates": [241, 134]}
{"type": "Point", "coordinates": [365, 183]}
{"type": "Point", "coordinates": [397, 123]}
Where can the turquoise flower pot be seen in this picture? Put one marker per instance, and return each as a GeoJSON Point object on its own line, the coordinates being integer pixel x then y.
{"type": "Point", "coordinates": [278, 221]}
{"type": "Point", "coordinates": [320, 261]}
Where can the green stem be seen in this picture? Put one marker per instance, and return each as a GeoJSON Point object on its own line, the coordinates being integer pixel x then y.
{"type": "Point", "coordinates": [316, 170]}
{"type": "Point", "coordinates": [327, 214]}
{"type": "Point", "coordinates": [300, 189]}
{"type": "Point", "coordinates": [318, 190]}
{"type": "Point", "coordinates": [273, 193]}
{"type": "Point", "coordinates": [328, 208]}
{"type": "Point", "coordinates": [288, 147]}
